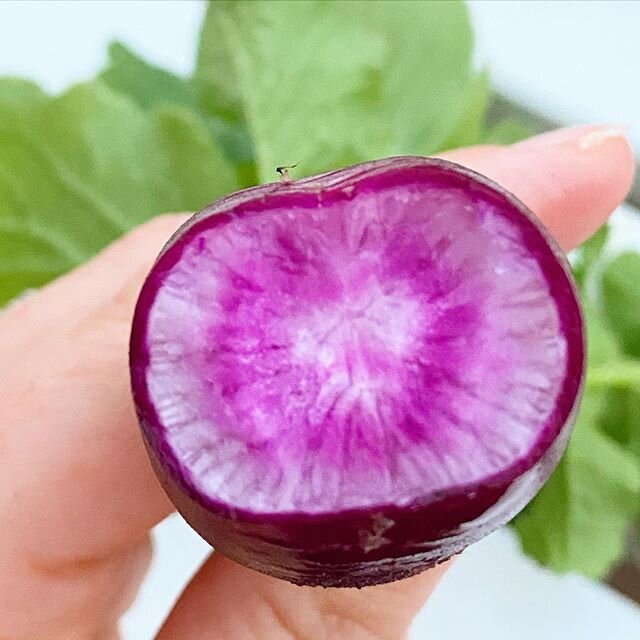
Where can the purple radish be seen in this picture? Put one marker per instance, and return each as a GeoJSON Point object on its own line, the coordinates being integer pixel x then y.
{"type": "Point", "coordinates": [346, 379]}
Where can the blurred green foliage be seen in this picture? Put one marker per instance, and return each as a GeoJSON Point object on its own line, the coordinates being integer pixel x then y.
{"type": "Point", "coordinates": [323, 84]}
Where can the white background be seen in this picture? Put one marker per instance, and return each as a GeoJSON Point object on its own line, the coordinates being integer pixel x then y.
{"type": "Point", "coordinates": [575, 61]}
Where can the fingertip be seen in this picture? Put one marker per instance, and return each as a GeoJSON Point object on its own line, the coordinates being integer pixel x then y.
{"type": "Point", "coordinates": [622, 163]}
{"type": "Point", "coordinates": [589, 171]}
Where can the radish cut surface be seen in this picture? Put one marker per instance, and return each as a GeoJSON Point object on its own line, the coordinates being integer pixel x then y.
{"type": "Point", "coordinates": [346, 379]}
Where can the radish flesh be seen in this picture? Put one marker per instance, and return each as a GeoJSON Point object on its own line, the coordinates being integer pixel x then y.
{"type": "Point", "coordinates": [346, 379]}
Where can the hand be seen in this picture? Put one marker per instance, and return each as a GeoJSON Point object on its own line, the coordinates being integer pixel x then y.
{"type": "Point", "coordinates": [77, 495]}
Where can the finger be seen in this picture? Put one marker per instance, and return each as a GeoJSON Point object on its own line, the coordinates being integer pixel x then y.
{"type": "Point", "coordinates": [76, 601]}
{"type": "Point", "coordinates": [572, 180]}
{"type": "Point", "coordinates": [232, 602]}
{"type": "Point", "coordinates": [74, 473]}
{"type": "Point", "coordinates": [68, 300]}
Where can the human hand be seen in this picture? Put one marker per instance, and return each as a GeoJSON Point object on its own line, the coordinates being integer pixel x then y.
{"type": "Point", "coordinates": [77, 494]}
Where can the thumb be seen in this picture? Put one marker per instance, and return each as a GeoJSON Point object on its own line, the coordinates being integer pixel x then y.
{"type": "Point", "coordinates": [228, 601]}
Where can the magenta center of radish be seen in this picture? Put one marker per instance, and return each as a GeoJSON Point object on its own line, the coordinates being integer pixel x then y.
{"type": "Point", "coordinates": [358, 350]}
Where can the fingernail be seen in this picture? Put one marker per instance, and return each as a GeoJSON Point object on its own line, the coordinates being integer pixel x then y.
{"type": "Point", "coordinates": [585, 137]}
{"type": "Point", "coordinates": [596, 138]}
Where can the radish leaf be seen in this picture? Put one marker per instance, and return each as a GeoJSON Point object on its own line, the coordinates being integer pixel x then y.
{"type": "Point", "coordinates": [77, 171]}
{"type": "Point", "coordinates": [391, 78]}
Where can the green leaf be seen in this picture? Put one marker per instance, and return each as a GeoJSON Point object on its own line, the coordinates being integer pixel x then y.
{"type": "Point", "coordinates": [620, 419]}
{"type": "Point", "coordinates": [150, 86]}
{"type": "Point", "coordinates": [389, 78]}
{"type": "Point", "coordinates": [16, 93]}
{"type": "Point", "coordinates": [618, 381]}
{"type": "Point", "coordinates": [624, 374]}
{"type": "Point", "coordinates": [580, 519]}
{"type": "Point", "coordinates": [146, 84]}
{"type": "Point", "coordinates": [602, 348]}
{"type": "Point", "coordinates": [507, 131]}
{"type": "Point", "coordinates": [470, 127]}
{"type": "Point", "coordinates": [589, 254]}
{"type": "Point", "coordinates": [218, 92]}
{"type": "Point", "coordinates": [78, 170]}
{"type": "Point", "coordinates": [199, 172]}
{"type": "Point", "coordinates": [215, 75]}
{"type": "Point", "coordinates": [621, 300]}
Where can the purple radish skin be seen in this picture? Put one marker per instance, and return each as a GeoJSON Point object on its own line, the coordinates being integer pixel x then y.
{"type": "Point", "coordinates": [347, 379]}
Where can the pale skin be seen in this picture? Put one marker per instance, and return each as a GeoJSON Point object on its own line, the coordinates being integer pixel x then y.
{"type": "Point", "coordinates": [77, 494]}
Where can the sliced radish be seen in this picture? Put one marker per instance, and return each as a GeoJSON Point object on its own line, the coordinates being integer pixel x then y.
{"type": "Point", "coordinates": [346, 379]}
